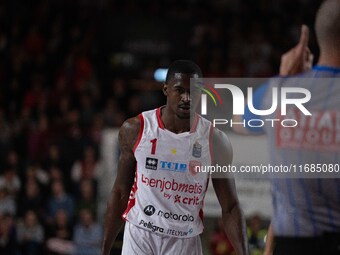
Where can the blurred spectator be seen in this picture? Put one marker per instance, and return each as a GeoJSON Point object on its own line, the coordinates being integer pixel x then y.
{"type": "Point", "coordinates": [83, 73]}
{"type": "Point", "coordinates": [55, 165]}
{"type": "Point", "coordinates": [60, 235]}
{"type": "Point", "coordinates": [7, 203]}
{"type": "Point", "coordinates": [61, 227]}
{"type": "Point", "coordinates": [87, 235]}
{"type": "Point", "coordinates": [87, 109]}
{"type": "Point", "coordinates": [256, 235]}
{"type": "Point", "coordinates": [53, 157]}
{"type": "Point", "coordinates": [219, 242]}
{"type": "Point", "coordinates": [59, 200]}
{"type": "Point", "coordinates": [31, 199]}
{"type": "Point", "coordinates": [96, 130]}
{"type": "Point", "coordinates": [5, 132]}
{"type": "Point", "coordinates": [56, 174]}
{"type": "Point", "coordinates": [134, 105]}
{"type": "Point", "coordinates": [14, 98]}
{"type": "Point", "coordinates": [34, 42]}
{"type": "Point", "coordinates": [110, 111]}
{"type": "Point", "coordinates": [33, 95]}
{"type": "Point", "coordinates": [30, 235]}
{"type": "Point", "coordinates": [39, 139]}
{"type": "Point", "coordinates": [35, 173]}
{"type": "Point", "coordinates": [119, 92]}
{"type": "Point", "coordinates": [59, 95]}
{"type": "Point", "coordinates": [87, 198]}
{"type": "Point", "coordinates": [8, 241]}
{"type": "Point", "coordinates": [20, 132]}
{"type": "Point", "coordinates": [71, 143]}
{"type": "Point", "coordinates": [88, 168]}
{"type": "Point", "coordinates": [10, 181]}
{"type": "Point", "coordinates": [12, 161]}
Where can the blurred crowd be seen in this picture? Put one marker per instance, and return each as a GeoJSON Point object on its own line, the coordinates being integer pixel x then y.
{"type": "Point", "coordinates": [220, 244]}
{"type": "Point", "coordinates": [66, 74]}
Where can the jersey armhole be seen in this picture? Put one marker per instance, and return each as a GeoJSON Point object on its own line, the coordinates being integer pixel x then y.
{"type": "Point", "coordinates": [140, 134]}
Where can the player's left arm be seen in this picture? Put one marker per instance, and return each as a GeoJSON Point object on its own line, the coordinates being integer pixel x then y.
{"type": "Point", "coordinates": [232, 216]}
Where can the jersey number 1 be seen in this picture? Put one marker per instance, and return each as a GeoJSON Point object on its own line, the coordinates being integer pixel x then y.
{"type": "Point", "coordinates": [153, 148]}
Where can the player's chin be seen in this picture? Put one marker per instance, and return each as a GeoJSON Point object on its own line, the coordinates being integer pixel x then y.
{"type": "Point", "coordinates": [183, 115]}
{"type": "Point", "coordinates": [183, 112]}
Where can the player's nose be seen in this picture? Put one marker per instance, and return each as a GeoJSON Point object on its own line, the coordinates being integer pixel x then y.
{"type": "Point", "coordinates": [186, 96]}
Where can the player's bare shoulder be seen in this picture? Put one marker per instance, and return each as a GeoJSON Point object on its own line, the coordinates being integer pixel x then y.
{"type": "Point", "coordinates": [128, 133]}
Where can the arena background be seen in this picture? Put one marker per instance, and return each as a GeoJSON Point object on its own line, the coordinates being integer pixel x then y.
{"type": "Point", "coordinates": [72, 71]}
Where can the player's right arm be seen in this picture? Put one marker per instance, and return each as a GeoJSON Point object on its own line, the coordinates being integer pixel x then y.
{"type": "Point", "coordinates": [128, 135]}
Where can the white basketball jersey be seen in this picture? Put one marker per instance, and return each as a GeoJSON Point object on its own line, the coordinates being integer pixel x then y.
{"type": "Point", "coordinates": [168, 193]}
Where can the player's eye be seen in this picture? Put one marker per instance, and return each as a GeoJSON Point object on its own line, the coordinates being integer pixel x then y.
{"type": "Point", "coordinates": [178, 90]}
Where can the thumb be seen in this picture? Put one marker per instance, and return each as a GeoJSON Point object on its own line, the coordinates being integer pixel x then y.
{"type": "Point", "coordinates": [304, 37]}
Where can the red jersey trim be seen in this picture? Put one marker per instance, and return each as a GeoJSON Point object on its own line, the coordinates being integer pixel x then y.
{"type": "Point", "coordinates": [211, 149]}
{"type": "Point", "coordinates": [132, 198]}
{"type": "Point", "coordinates": [194, 124]}
{"type": "Point", "coordinates": [141, 129]}
{"type": "Point", "coordinates": [159, 119]}
{"type": "Point", "coordinates": [161, 124]}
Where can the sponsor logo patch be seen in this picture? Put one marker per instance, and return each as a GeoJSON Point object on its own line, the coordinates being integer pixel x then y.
{"type": "Point", "coordinates": [172, 185]}
{"type": "Point", "coordinates": [175, 232]}
{"type": "Point", "coordinates": [151, 226]}
{"type": "Point", "coordinates": [149, 210]}
{"type": "Point", "coordinates": [175, 216]}
{"type": "Point", "coordinates": [197, 150]}
{"type": "Point", "coordinates": [151, 163]}
{"type": "Point", "coordinates": [173, 166]}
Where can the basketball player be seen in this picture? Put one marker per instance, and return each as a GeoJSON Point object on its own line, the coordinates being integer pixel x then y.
{"type": "Point", "coordinates": [160, 150]}
{"type": "Point", "coordinates": [306, 212]}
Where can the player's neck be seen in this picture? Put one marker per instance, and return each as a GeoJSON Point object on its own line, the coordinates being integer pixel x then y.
{"type": "Point", "coordinates": [329, 59]}
{"type": "Point", "coordinates": [173, 123]}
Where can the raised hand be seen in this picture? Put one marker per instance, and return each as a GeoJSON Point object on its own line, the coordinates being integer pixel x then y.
{"type": "Point", "coordinates": [298, 59]}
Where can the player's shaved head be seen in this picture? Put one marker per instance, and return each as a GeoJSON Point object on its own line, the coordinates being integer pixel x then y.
{"type": "Point", "coordinates": [183, 67]}
{"type": "Point", "coordinates": [327, 25]}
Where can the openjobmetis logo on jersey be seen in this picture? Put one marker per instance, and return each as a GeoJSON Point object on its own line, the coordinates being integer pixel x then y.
{"type": "Point", "coordinates": [227, 96]}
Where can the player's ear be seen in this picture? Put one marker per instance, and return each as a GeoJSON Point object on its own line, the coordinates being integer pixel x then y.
{"type": "Point", "coordinates": [165, 89]}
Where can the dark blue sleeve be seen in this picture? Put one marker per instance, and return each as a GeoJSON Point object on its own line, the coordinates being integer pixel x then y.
{"type": "Point", "coordinates": [258, 97]}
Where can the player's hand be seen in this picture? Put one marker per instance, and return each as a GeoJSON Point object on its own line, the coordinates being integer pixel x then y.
{"type": "Point", "coordinates": [298, 59]}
